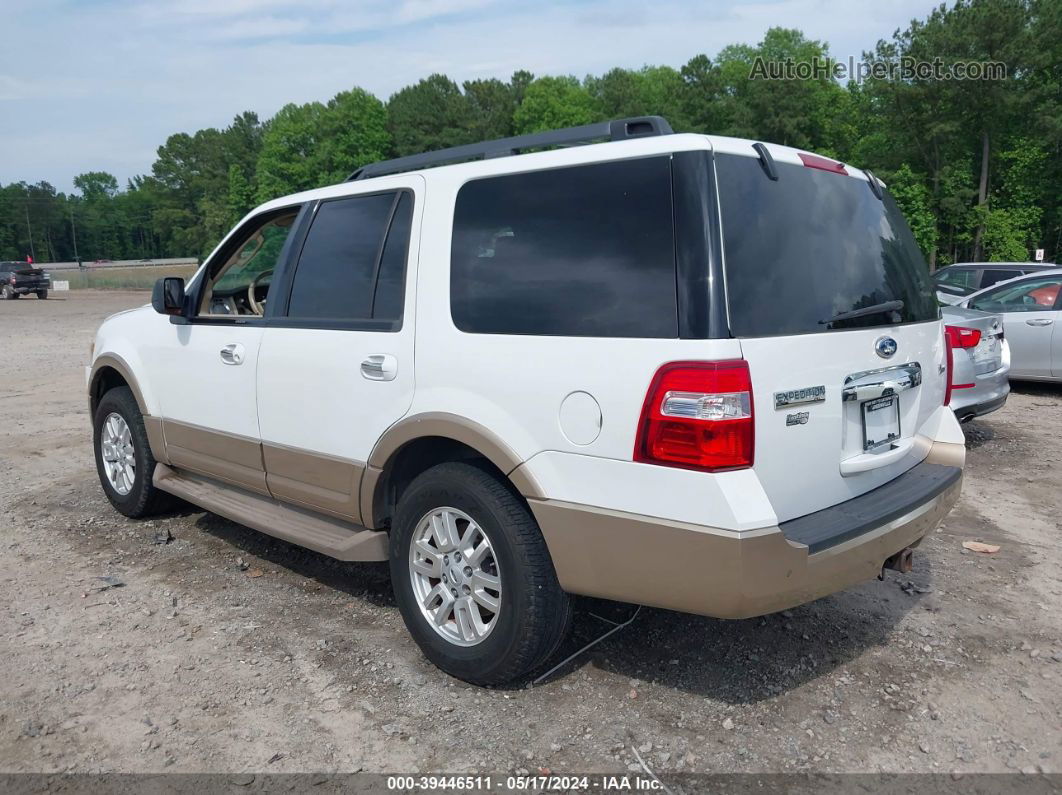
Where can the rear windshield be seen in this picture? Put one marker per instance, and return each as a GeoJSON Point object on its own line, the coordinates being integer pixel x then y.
{"type": "Point", "coordinates": [813, 245]}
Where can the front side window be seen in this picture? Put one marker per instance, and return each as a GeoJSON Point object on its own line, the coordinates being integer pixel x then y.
{"type": "Point", "coordinates": [352, 265]}
{"type": "Point", "coordinates": [585, 251]}
{"type": "Point", "coordinates": [1032, 295]}
{"type": "Point", "coordinates": [815, 251]}
{"type": "Point", "coordinates": [241, 285]}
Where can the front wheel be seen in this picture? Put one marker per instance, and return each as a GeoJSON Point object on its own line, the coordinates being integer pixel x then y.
{"type": "Point", "coordinates": [123, 457]}
{"type": "Point", "coordinates": [473, 578]}
{"type": "Point", "coordinates": [42, 294]}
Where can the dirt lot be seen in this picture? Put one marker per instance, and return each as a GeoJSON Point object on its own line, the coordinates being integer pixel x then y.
{"type": "Point", "coordinates": [226, 650]}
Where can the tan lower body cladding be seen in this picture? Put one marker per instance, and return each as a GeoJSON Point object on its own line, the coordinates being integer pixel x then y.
{"type": "Point", "coordinates": [319, 482]}
{"type": "Point", "coordinates": [713, 572]}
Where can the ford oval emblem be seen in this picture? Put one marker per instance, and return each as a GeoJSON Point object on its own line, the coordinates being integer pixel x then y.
{"type": "Point", "coordinates": [885, 347]}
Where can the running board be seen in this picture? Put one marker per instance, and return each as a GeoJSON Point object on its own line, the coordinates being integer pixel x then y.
{"type": "Point", "coordinates": [332, 537]}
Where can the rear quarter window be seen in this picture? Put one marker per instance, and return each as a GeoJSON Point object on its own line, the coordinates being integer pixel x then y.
{"type": "Point", "coordinates": [586, 251]}
{"type": "Point", "coordinates": [812, 245]}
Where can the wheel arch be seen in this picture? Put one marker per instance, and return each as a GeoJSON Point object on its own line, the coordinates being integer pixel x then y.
{"type": "Point", "coordinates": [415, 444]}
{"type": "Point", "coordinates": [109, 370]}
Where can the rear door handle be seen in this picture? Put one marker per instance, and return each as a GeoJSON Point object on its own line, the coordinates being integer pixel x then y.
{"type": "Point", "coordinates": [380, 367]}
{"type": "Point", "coordinates": [232, 353]}
{"type": "Point", "coordinates": [1039, 321]}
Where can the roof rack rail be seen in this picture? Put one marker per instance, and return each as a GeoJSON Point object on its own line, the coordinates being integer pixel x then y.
{"type": "Point", "coordinates": [617, 130]}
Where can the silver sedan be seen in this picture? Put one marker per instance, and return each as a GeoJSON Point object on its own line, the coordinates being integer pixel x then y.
{"type": "Point", "coordinates": [980, 361]}
{"type": "Point", "coordinates": [1031, 308]}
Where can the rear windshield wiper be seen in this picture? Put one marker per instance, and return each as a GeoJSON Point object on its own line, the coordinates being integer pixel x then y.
{"type": "Point", "coordinates": [876, 309]}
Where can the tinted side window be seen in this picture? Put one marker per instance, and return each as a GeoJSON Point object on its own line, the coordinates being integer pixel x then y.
{"type": "Point", "coordinates": [958, 278]}
{"type": "Point", "coordinates": [1031, 295]}
{"type": "Point", "coordinates": [336, 274]}
{"type": "Point", "coordinates": [391, 284]}
{"type": "Point", "coordinates": [586, 251]}
{"type": "Point", "coordinates": [990, 277]}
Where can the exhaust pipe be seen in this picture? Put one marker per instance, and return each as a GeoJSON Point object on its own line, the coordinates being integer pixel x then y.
{"type": "Point", "coordinates": [902, 561]}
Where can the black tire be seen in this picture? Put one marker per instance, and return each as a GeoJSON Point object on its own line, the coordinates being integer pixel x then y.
{"type": "Point", "coordinates": [143, 498]}
{"type": "Point", "coordinates": [42, 294]}
{"type": "Point", "coordinates": [535, 614]}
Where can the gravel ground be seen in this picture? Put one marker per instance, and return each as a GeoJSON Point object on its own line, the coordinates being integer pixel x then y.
{"type": "Point", "coordinates": [226, 650]}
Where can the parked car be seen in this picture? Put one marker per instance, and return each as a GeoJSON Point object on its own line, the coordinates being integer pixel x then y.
{"type": "Point", "coordinates": [955, 282]}
{"type": "Point", "coordinates": [19, 278]}
{"type": "Point", "coordinates": [519, 377]}
{"type": "Point", "coordinates": [980, 362]}
{"type": "Point", "coordinates": [1031, 308]}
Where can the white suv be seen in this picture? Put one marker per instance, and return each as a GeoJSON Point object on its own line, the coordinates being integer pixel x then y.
{"type": "Point", "coordinates": [687, 371]}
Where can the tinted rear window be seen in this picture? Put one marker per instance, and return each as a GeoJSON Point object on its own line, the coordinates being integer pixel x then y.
{"type": "Point", "coordinates": [336, 274]}
{"type": "Point", "coordinates": [803, 249]}
{"type": "Point", "coordinates": [587, 251]}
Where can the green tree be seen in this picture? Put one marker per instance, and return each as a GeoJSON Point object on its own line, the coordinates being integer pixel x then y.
{"type": "Point", "coordinates": [909, 191]}
{"type": "Point", "coordinates": [240, 197]}
{"type": "Point", "coordinates": [96, 185]}
{"type": "Point", "coordinates": [291, 158]}
{"type": "Point", "coordinates": [552, 102]}
{"type": "Point", "coordinates": [354, 132]}
{"type": "Point", "coordinates": [432, 114]}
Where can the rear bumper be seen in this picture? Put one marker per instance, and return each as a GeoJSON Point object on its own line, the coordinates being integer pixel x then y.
{"type": "Point", "coordinates": [989, 393]}
{"type": "Point", "coordinates": [727, 574]}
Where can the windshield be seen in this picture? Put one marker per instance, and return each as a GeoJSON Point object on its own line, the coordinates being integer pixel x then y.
{"type": "Point", "coordinates": [812, 246]}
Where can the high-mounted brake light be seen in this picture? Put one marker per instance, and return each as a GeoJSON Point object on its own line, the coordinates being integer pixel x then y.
{"type": "Point", "coordinates": [824, 163]}
{"type": "Point", "coordinates": [698, 415]}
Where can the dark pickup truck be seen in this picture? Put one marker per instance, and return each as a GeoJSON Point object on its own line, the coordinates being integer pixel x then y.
{"type": "Point", "coordinates": [19, 278]}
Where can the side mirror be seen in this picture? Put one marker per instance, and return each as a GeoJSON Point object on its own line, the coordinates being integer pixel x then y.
{"type": "Point", "coordinates": [167, 297]}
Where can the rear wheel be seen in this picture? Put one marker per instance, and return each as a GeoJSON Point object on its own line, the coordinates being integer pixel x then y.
{"type": "Point", "coordinates": [473, 578]}
{"type": "Point", "coordinates": [42, 294]}
{"type": "Point", "coordinates": [9, 293]}
{"type": "Point", "coordinates": [123, 457]}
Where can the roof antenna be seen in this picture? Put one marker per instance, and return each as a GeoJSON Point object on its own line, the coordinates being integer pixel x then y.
{"type": "Point", "coordinates": [766, 161]}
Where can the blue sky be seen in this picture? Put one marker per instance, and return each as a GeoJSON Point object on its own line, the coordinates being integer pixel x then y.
{"type": "Point", "coordinates": [97, 85]}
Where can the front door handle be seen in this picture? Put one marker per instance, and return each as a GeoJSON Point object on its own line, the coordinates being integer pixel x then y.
{"type": "Point", "coordinates": [1039, 321]}
{"type": "Point", "coordinates": [232, 353]}
{"type": "Point", "coordinates": [380, 367]}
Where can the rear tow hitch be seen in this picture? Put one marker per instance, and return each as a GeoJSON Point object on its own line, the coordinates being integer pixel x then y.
{"type": "Point", "coordinates": [902, 562]}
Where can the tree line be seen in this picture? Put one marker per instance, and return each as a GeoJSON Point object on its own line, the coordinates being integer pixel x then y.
{"type": "Point", "coordinates": [976, 165]}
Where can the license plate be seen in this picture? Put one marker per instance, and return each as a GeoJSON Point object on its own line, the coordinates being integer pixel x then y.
{"type": "Point", "coordinates": [881, 421]}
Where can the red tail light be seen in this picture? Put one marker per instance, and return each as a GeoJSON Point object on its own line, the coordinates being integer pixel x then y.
{"type": "Point", "coordinates": [957, 337]}
{"type": "Point", "coordinates": [960, 337]}
{"type": "Point", "coordinates": [698, 415]}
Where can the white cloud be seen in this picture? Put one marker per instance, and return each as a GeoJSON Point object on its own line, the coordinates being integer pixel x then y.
{"type": "Point", "coordinates": [119, 77]}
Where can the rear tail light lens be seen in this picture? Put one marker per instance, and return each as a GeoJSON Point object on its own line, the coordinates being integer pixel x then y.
{"type": "Point", "coordinates": [698, 415]}
{"type": "Point", "coordinates": [960, 337]}
{"type": "Point", "coordinates": [957, 337]}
